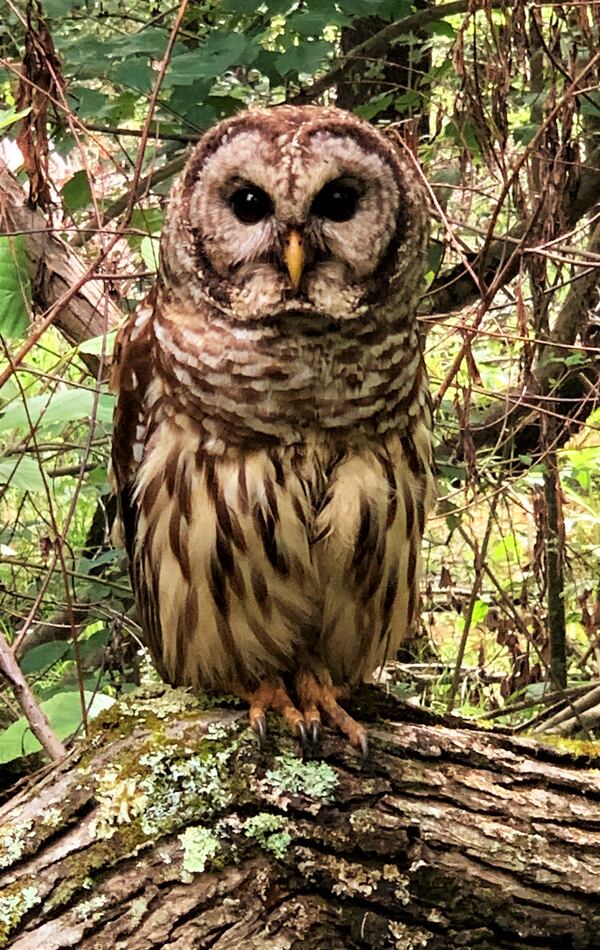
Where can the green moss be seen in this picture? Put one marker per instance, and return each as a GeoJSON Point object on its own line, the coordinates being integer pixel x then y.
{"type": "Point", "coordinates": [15, 901]}
{"type": "Point", "coordinates": [586, 747]}
{"type": "Point", "coordinates": [267, 829]}
{"type": "Point", "coordinates": [316, 780]}
{"type": "Point", "coordinates": [199, 848]}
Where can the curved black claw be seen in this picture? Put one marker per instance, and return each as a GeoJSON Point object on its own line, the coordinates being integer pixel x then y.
{"type": "Point", "coordinates": [315, 731]}
{"type": "Point", "coordinates": [260, 727]}
{"type": "Point", "coordinates": [301, 733]}
{"type": "Point", "coordinates": [364, 745]}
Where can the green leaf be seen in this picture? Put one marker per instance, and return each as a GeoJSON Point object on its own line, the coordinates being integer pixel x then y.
{"type": "Point", "coordinates": [88, 103]}
{"type": "Point", "coordinates": [480, 612]}
{"type": "Point", "coordinates": [135, 73]}
{"type": "Point", "coordinates": [64, 713]}
{"type": "Point", "coordinates": [374, 106]}
{"type": "Point", "coordinates": [67, 405]}
{"type": "Point", "coordinates": [22, 473]}
{"type": "Point", "coordinates": [76, 192]}
{"type": "Point", "coordinates": [151, 40]}
{"type": "Point", "coordinates": [305, 58]}
{"type": "Point", "coordinates": [313, 22]}
{"type": "Point", "coordinates": [149, 252]}
{"type": "Point", "coordinates": [590, 104]}
{"type": "Point", "coordinates": [98, 345]}
{"type": "Point", "coordinates": [441, 28]}
{"type": "Point", "coordinates": [45, 655]}
{"type": "Point", "coordinates": [8, 116]}
{"type": "Point", "coordinates": [58, 8]}
{"type": "Point", "coordinates": [241, 7]}
{"type": "Point", "coordinates": [212, 59]}
{"type": "Point", "coordinates": [387, 9]}
{"type": "Point", "coordinates": [149, 220]}
{"type": "Point", "coordinates": [525, 133]}
{"type": "Point", "coordinates": [15, 286]}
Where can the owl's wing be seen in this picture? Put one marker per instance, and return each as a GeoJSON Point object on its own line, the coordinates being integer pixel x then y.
{"type": "Point", "coordinates": [132, 373]}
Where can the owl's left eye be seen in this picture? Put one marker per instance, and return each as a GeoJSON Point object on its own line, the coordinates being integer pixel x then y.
{"type": "Point", "coordinates": [250, 205]}
{"type": "Point", "coordinates": [336, 201]}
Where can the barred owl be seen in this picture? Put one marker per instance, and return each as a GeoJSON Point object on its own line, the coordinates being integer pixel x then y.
{"type": "Point", "coordinates": [272, 451]}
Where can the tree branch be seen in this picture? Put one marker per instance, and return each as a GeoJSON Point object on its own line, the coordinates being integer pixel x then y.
{"type": "Point", "coordinates": [54, 268]}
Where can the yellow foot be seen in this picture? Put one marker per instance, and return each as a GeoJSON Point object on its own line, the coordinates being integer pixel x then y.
{"type": "Point", "coordinates": [271, 694]}
{"type": "Point", "coordinates": [316, 697]}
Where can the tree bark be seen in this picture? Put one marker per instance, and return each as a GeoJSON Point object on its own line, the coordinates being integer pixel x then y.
{"type": "Point", "coordinates": [54, 267]}
{"type": "Point", "coordinates": [170, 828]}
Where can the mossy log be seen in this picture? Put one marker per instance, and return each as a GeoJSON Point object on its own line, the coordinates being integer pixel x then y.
{"type": "Point", "coordinates": [168, 827]}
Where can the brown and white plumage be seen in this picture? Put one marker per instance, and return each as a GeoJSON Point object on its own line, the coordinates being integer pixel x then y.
{"type": "Point", "coordinates": [272, 432]}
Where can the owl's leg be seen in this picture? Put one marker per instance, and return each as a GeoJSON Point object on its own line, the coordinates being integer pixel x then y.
{"type": "Point", "coordinates": [317, 694]}
{"type": "Point", "coordinates": [271, 694]}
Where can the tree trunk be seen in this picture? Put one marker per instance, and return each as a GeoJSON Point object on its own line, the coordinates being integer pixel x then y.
{"type": "Point", "coordinates": [170, 828]}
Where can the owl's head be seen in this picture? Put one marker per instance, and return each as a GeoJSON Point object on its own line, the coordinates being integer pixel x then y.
{"type": "Point", "coordinates": [295, 210]}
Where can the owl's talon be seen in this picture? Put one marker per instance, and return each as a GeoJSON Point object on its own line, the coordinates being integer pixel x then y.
{"type": "Point", "coordinates": [364, 745]}
{"type": "Point", "coordinates": [315, 731]}
{"type": "Point", "coordinates": [271, 694]}
{"type": "Point", "coordinates": [319, 695]}
{"type": "Point", "coordinates": [302, 735]}
{"type": "Point", "coordinates": [260, 727]}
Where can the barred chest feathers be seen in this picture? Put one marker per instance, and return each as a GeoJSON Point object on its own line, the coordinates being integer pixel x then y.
{"type": "Point", "coordinates": [256, 558]}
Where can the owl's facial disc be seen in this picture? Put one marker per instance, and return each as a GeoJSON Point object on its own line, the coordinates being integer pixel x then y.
{"type": "Point", "coordinates": [296, 210]}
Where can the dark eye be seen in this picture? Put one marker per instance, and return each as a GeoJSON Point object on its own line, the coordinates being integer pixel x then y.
{"type": "Point", "coordinates": [251, 204]}
{"type": "Point", "coordinates": [336, 201]}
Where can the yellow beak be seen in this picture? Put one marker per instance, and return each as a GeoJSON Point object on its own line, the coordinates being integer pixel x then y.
{"type": "Point", "coordinates": [293, 255]}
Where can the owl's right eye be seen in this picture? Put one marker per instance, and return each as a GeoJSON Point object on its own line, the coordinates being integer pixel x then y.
{"type": "Point", "coordinates": [250, 205]}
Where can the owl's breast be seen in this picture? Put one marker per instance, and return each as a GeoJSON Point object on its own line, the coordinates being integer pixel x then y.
{"type": "Point", "coordinates": [276, 383]}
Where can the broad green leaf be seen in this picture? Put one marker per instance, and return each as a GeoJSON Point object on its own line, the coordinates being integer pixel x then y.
{"type": "Point", "coordinates": [88, 103]}
{"type": "Point", "coordinates": [22, 473]}
{"type": "Point", "coordinates": [149, 252]}
{"type": "Point", "coordinates": [88, 52]}
{"type": "Point", "coordinates": [313, 22]}
{"type": "Point", "coordinates": [148, 220]}
{"type": "Point", "coordinates": [441, 28]}
{"type": "Point", "coordinates": [135, 73]}
{"type": "Point", "coordinates": [45, 655]}
{"type": "Point", "coordinates": [387, 9]}
{"type": "Point", "coordinates": [525, 133]}
{"type": "Point", "coordinates": [212, 59]}
{"type": "Point", "coordinates": [305, 58]}
{"type": "Point", "coordinates": [8, 116]}
{"type": "Point", "coordinates": [590, 105]}
{"type": "Point", "coordinates": [99, 345]}
{"type": "Point", "coordinates": [76, 192]}
{"type": "Point", "coordinates": [15, 286]}
{"type": "Point", "coordinates": [151, 40]}
{"type": "Point", "coordinates": [58, 8]}
{"type": "Point", "coordinates": [68, 405]}
{"type": "Point", "coordinates": [480, 612]}
{"type": "Point", "coordinates": [375, 105]}
{"type": "Point", "coordinates": [64, 714]}
{"type": "Point", "coordinates": [241, 7]}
